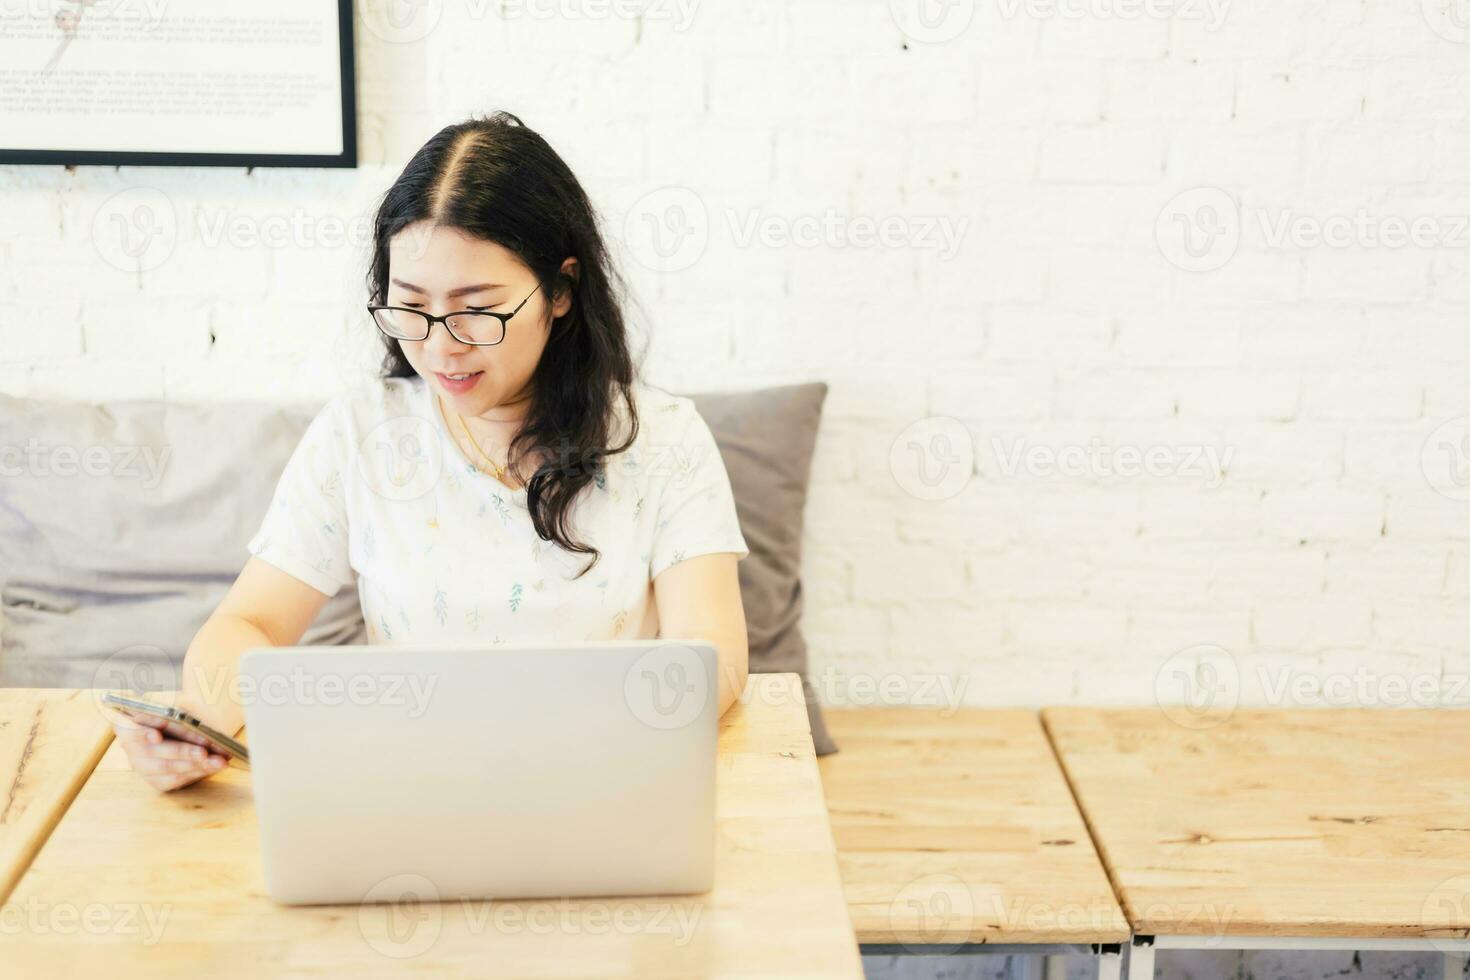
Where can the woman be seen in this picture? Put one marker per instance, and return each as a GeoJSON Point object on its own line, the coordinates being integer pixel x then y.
{"type": "Point", "coordinates": [508, 478]}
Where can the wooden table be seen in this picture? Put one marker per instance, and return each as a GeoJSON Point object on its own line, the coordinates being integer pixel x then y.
{"type": "Point", "coordinates": [172, 883]}
{"type": "Point", "coordinates": [1298, 829]}
{"type": "Point", "coordinates": [50, 739]}
{"type": "Point", "coordinates": [956, 831]}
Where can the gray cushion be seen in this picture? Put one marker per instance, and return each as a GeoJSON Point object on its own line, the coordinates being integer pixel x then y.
{"type": "Point", "coordinates": [766, 440]}
{"type": "Point", "coordinates": [114, 553]}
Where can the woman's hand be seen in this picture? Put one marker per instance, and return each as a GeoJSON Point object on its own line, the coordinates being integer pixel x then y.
{"type": "Point", "coordinates": [169, 758]}
{"type": "Point", "coordinates": [266, 607]}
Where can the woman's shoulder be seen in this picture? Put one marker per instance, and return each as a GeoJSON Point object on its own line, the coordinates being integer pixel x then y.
{"type": "Point", "coordinates": [672, 434]}
{"type": "Point", "coordinates": [663, 416]}
{"type": "Point", "coordinates": [367, 404]}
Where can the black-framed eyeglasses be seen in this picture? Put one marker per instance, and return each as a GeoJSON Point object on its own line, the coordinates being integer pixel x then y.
{"type": "Point", "coordinates": [478, 328]}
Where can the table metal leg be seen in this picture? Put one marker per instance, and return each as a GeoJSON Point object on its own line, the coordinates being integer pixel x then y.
{"type": "Point", "coordinates": [1141, 958]}
{"type": "Point", "coordinates": [1109, 962]}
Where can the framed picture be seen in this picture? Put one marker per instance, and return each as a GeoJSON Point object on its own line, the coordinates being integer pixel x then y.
{"type": "Point", "coordinates": [269, 83]}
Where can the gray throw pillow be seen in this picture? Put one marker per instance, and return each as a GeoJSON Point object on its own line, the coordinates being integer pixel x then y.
{"type": "Point", "coordinates": [123, 525]}
{"type": "Point", "coordinates": [766, 440]}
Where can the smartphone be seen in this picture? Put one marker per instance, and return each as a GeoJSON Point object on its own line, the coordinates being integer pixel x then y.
{"type": "Point", "coordinates": [178, 724]}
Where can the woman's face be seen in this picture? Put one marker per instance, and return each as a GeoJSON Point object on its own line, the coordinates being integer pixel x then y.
{"type": "Point", "coordinates": [442, 270]}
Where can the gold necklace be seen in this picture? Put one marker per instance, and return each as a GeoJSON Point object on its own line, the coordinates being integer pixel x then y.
{"type": "Point", "coordinates": [499, 470]}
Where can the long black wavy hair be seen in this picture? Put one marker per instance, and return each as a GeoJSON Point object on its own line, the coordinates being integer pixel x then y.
{"type": "Point", "coordinates": [496, 179]}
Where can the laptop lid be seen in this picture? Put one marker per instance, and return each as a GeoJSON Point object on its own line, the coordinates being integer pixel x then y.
{"type": "Point", "coordinates": [477, 771]}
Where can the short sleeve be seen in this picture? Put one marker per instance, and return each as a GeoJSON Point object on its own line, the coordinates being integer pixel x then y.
{"type": "Point", "coordinates": [696, 509]}
{"type": "Point", "coordinates": [304, 532]}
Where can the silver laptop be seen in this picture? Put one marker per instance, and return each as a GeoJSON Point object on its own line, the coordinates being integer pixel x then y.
{"type": "Point", "coordinates": [478, 771]}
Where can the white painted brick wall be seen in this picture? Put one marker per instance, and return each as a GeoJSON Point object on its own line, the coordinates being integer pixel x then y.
{"type": "Point", "coordinates": [1064, 313]}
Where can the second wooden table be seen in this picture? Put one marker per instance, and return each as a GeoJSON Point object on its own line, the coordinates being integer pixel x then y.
{"type": "Point", "coordinates": [1287, 829]}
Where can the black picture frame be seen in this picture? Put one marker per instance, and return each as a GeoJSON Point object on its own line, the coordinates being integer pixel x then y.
{"type": "Point", "coordinates": [346, 159]}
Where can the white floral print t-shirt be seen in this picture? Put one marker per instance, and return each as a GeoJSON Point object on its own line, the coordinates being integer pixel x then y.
{"type": "Point", "coordinates": [377, 492]}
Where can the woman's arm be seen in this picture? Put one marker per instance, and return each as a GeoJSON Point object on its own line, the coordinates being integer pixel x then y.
{"type": "Point", "coordinates": [264, 607]}
{"type": "Point", "coordinates": [699, 598]}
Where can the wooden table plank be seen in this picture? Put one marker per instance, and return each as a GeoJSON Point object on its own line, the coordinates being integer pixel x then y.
{"type": "Point", "coordinates": [175, 882]}
{"type": "Point", "coordinates": [957, 826]}
{"type": "Point", "coordinates": [50, 740]}
{"type": "Point", "coordinates": [1342, 823]}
